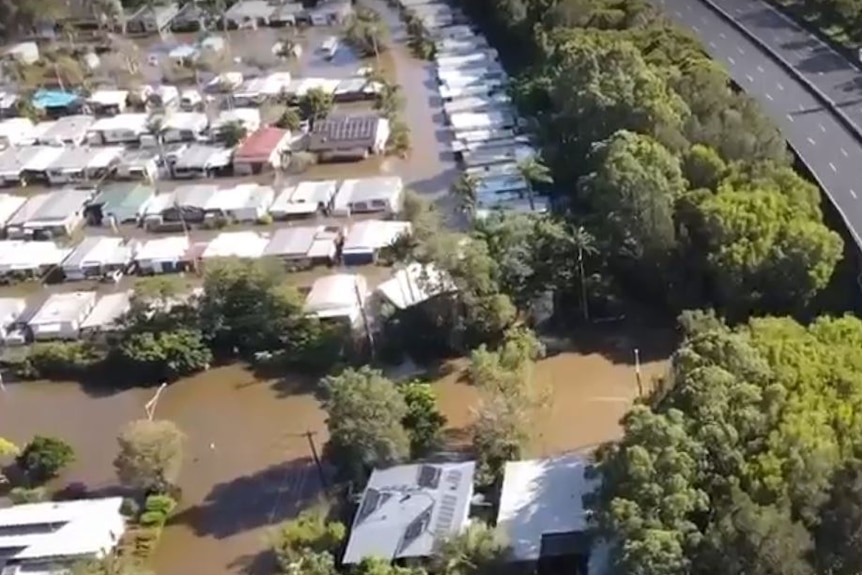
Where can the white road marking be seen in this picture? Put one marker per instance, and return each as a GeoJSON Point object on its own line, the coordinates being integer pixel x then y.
{"type": "Point", "coordinates": [712, 45]}
{"type": "Point", "coordinates": [811, 141]}
{"type": "Point", "coordinates": [843, 151]}
{"type": "Point", "coordinates": [819, 73]}
{"type": "Point", "coordinates": [801, 108]}
{"type": "Point", "coordinates": [731, 60]}
{"type": "Point", "coordinates": [853, 193]}
{"type": "Point", "coordinates": [749, 78]}
{"type": "Point", "coordinates": [702, 18]}
{"type": "Point", "coordinates": [678, 13]}
{"type": "Point", "coordinates": [760, 69]}
{"type": "Point", "coordinates": [721, 35]}
{"type": "Point", "coordinates": [822, 128]}
{"type": "Point", "coordinates": [695, 28]}
{"type": "Point", "coordinates": [740, 50]}
{"type": "Point", "coordinates": [780, 87]}
{"type": "Point", "coordinates": [832, 166]}
{"type": "Point", "coordinates": [769, 97]}
{"type": "Point", "coordinates": [789, 117]}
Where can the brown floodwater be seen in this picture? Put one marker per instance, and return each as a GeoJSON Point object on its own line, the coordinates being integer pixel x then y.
{"type": "Point", "coordinates": [247, 464]}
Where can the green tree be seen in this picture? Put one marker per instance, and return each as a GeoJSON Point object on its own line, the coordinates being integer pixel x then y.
{"type": "Point", "coordinates": [389, 99]}
{"type": "Point", "coordinates": [364, 418]}
{"type": "Point", "coordinates": [536, 174]}
{"type": "Point", "coordinates": [838, 536]}
{"type": "Point", "coordinates": [308, 540]}
{"type": "Point", "coordinates": [163, 355]}
{"type": "Point", "coordinates": [367, 33]}
{"type": "Point", "coordinates": [477, 550]}
{"type": "Point", "coordinates": [7, 449]}
{"type": "Point", "coordinates": [585, 245]}
{"type": "Point", "coordinates": [289, 120]}
{"type": "Point", "coordinates": [112, 564]}
{"type": "Point", "coordinates": [44, 457]}
{"type": "Point", "coordinates": [703, 167]}
{"type": "Point", "coordinates": [465, 191]}
{"type": "Point", "coordinates": [150, 454]}
{"type": "Point", "coordinates": [232, 133]}
{"type": "Point", "coordinates": [423, 421]}
{"type": "Point", "coordinates": [316, 104]}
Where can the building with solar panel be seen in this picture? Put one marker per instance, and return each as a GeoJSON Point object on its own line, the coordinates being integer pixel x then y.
{"type": "Point", "coordinates": [408, 510]}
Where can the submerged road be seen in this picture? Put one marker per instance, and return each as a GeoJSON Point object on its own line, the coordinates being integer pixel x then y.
{"type": "Point", "coordinates": [825, 144]}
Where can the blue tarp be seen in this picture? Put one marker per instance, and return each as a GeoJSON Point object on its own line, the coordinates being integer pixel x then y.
{"type": "Point", "coordinates": [54, 99]}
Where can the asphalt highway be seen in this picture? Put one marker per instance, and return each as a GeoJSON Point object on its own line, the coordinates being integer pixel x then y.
{"type": "Point", "coordinates": [826, 145]}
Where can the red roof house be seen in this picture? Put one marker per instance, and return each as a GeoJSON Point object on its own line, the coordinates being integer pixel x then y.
{"type": "Point", "coordinates": [261, 150]}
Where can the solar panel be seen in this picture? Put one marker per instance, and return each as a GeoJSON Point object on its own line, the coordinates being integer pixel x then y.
{"type": "Point", "coordinates": [446, 516]}
{"type": "Point", "coordinates": [429, 476]}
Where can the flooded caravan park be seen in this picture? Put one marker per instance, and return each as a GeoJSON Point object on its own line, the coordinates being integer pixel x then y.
{"type": "Point", "coordinates": [248, 465]}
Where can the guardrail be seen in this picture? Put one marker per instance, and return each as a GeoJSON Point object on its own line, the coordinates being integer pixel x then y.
{"type": "Point", "coordinates": [826, 100]}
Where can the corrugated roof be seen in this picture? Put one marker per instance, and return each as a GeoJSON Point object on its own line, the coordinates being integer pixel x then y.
{"type": "Point", "coordinates": [61, 204]}
{"type": "Point", "coordinates": [124, 201]}
{"type": "Point", "coordinates": [346, 128]}
{"type": "Point", "coordinates": [260, 144]}
{"type": "Point", "coordinates": [291, 242]}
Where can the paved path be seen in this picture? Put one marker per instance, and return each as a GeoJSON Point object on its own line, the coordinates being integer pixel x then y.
{"type": "Point", "coordinates": [831, 151]}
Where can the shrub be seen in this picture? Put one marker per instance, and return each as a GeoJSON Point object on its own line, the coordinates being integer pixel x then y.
{"type": "Point", "coordinates": [59, 360]}
{"type": "Point", "coordinates": [399, 138]}
{"type": "Point", "coordinates": [163, 504]}
{"type": "Point", "coordinates": [152, 519]}
{"type": "Point", "coordinates": [22, 495]}
{"type": "Point", "coordinates": [265, 220]}
{"type": "Point", "coordinates": [44, 458]}
{"type": "Point", "coordinates": [129, 508]}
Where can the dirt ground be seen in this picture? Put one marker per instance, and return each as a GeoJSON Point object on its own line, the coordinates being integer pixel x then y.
{"type": "Point", "coordinates": [248, 465]}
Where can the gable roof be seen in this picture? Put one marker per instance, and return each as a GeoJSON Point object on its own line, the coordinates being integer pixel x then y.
{"type": "Point", "coordinates": [260, 144]}
{"type": "Point", "coordinates": [407, 510]}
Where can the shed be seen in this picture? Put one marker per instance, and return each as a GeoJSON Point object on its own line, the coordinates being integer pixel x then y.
{"type": "Point", "coordinates": [262, 150]}
{"type": "Point", "coordinates": [382, 194]}
{"type": "Point", "coordinates": [62, 212]}
{"type": "Point", "coordinates": [354, 137]}
{"type": "Point", "coordinates": [304, 246]}
{"type": "Point", "coordinates": [69, 130]}
{"type": "Point", "coordinates": [96, 257]}
{"type": "Point", "coordinates": [365, 239]}
{"type": "Point", "coordinates": [305, 199]}
{"type": "Point", "coordinates": [121, 202]}
{"type": "Point", "coordinates": [246, 245]}
{"type": "Point", "coordinates": [163, 255]}
{"type": "Point", "coordinates": [415, 284]}
{"type": "Point", "coordinates": [61, 316]}
{"type": "Point", "coordinates": [338, 296]}
{"type": "Point", "coordinates": [407, 511]}
{"type": "Point", "coordinates": [107, 313]}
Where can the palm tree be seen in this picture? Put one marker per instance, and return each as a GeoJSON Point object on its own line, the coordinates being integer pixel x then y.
{"type": "Point", "coordinates": [584, 243]}
{"type": "Point", "coordinates": [478, 550]}
{"type": "Point", "coordinates": [534, 172]}
{"type": "Point", "coordinates": [465, 190]}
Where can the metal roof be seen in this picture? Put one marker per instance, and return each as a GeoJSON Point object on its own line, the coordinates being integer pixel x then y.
{"type": "Point", "coordinates": [407, 510]}
{"type": "Point", "coordinates": [346, 128]}
{"type": "Point", "coordinates": [260, 145]}
{"type": "Point", "coordinates": [99, 250]}
{"type": "Point", "coordinates": [288, 242]}
{"type": "Point", "coordinates": [379, 188]}
{"type": "Point", "coordinates": [124, 201]}
{"type": "Point", "coordinates": [60, 205]}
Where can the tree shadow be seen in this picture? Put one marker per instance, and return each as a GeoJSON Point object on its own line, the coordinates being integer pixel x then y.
{"type": "Point", "coordinates": [267, 497]}
{"type": "Point", "coordinates": [618, 341]}
{"type": "Point", "coordinates": [824, 60]}
{"type": "Point", "coordinates": [261, 563]}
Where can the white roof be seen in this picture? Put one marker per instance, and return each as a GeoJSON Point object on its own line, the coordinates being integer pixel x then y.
{"type": "Point", "coordinates": [26, 255]}
{"type": "Point", "coordinates": [337, 295]}
{"type": "Point", "coordinates": [9, 204]}
{"type": "Point", "coordinates": [99, 250]}
{"type": "Point", "coordinates": [59, 529]}
{"type": "Point", "coordinates": [136, 123]}
{"type": "Point", "coordinates": [109, 97]}
{"type": "Point", "coordinates": [542, 496]}
{"type": "Point", "coordinates": [406, 510]}
{"type": "Point", "coordinates": [248, 117]}
{"type": "Point", "coordinates": [68, 128]}
{"type": "Point", "coordinates": [163, 249]}
{"type": "Point", "coordinates": [415, 284]}
{"type": "Point", "coordinates": [42, 161]}
{"type": "Point", "coordinates": [479, 120]}
{"type": "Point", "coordinates": [17, 130]}
{"type": "Point", "coordinates": [108, 310]}
{"type": "Point", "coordinates": [370, 235]}
{"type": "Point", "coordinates": [378, 188]}
{"type": "Point", "coordinates": [159, 203]}
{"type": "Point", "coordinates": [62, 307]}
{"type": "Point", "coordinates": [194, 121]}
{"type": "Point", "coordinates": [11, 308]}
{"type": "Point", "coordinates": [241, 196]}
{"type": "Point", "coordinates": [236, 245]}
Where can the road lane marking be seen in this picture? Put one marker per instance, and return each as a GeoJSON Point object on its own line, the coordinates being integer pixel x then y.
{"type": "Point", "coordinates": [769, 97]}
{"type": "Point", "coordinates": [789, 117]}
{"type": "Point", "coordinates": [760, 69]}
{"type": "Point", "coordinates": [811, 141]}
{"type": "Point", "coordinates": [749, 78]}
{"type": "Point", "coordinates": [853, 193]}
{"type": "Point", "coordinates": [740, 50]}
{"type": "Point", "coordinates": [834, 169]}
{"type": "Point", "coordinates": [712, 45]}
{"type": "Point", "coordinates": [678, 13]}
{"type": "Point", "coordinates": [801, 108]}
{"type": "Point", "coordinates": [843, 151]}
{"type": "Point", "coordinates": [822, 129]}
{"type": "Point", "coordinates": [695, 28]}
{"type": "Point", "coordinates": [731, 60]}
{"type": "Point", "coordinates": [780, 87]}
{"type": "Point", "coordinates": [721, 35]}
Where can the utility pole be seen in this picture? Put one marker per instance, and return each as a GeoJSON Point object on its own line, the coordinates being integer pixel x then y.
{"type": "Point", "coordinates": [638, 372]}
{"type": "Point", "coordinates": [309, 435]}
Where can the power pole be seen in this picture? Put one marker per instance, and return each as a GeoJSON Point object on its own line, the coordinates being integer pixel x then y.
{"type": "Point", "coordinates": [638, 372]}
{"type": "Point", "coordinates": [309, 435]}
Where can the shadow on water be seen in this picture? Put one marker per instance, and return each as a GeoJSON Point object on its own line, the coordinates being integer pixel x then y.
{"type": "Point", "coordinates": [263, 563]}
{"type": "Point", "coordinates": [617, 341]}
{"type": "Point", "coordinates": [268, 497]}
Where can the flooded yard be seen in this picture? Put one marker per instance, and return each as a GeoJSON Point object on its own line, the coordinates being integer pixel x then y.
{"type": "Point", "coordinates": [248, 465]}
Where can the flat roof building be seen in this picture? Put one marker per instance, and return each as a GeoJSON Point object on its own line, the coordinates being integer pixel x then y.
{"type": "Point", "coordinates": [120, 202]}
{"type": "Point", "coordinates": [303, 246]}
{"type": "Point", "coordinates": [408, 510]}
{"type": "Point", "coordinates": [415, 284]}
{"type": "Point", "coordinates": [349, 137]}
{"type": "Point", "coordinates": [338, 296]}
{"type": "Point", "coordinates": [108, 311]}
{"type": "Point", "coordinates": [119, 129]}
{"type": "Point", "coordinates": [163, 255]}
{"type": "Point", "coordinates": [381, 194]}
{"type": "Point", "coordinates": [365, 239]}
{"type": "Point", "coordinates": [67, 131]}
{"type": "Point", "coordinates": [62, 212]}
{"type": "Point", "coordinates": [304, 199]}
{"type": "Point", "coordinates": [29, 258]}
{"type": "Point", "coordinates": [51, 536]}
{"type": "Point", "coordinates": [245, 245]}
{"type": "Point", "coordinates": [97, 256]}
